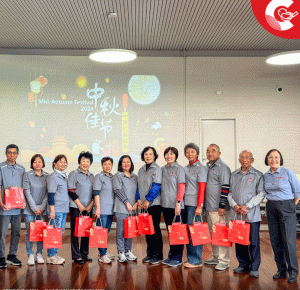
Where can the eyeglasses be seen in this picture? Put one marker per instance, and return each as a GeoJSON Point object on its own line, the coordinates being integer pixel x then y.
{"type": "Point", "coordinates": [12, 153]}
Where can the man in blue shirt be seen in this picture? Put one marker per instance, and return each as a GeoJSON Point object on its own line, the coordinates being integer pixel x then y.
{"type": "Point", "coordinates": [11, 174]}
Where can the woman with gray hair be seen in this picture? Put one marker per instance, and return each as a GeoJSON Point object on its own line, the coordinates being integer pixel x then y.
{"type": "Point", "coordinates": [195, 175]}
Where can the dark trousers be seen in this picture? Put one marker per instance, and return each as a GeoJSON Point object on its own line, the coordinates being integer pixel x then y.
{"type": "Point", "coordinates": [83, 251]}
{"type": "Point", "coordinates": [283, 233]}
{"type": "Point", "coordinates": [175, 250]}
{"type": "Point", "coordinates": [249, 256]}
{"type": "Point", "coordinates": [155, 242]}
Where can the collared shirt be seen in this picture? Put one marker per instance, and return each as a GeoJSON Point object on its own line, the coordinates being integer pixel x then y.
{"type": "Point", "coordinates": [58, 184]}
{"type": "Point", "coordinates": [247, 189]}
{"type": "Point", "coordinates": [281, 185]}
{"type": "Point", "coordinates": [83, 185]}
{"type": "Point", "coordinates": [129, 186]}
{"type": "Point", "coordinates": [10, 175]}
{"type": "Point", "coordinates": [218, 175]}
{"type": "Point", "coordinates": [194, 173]}
{"type": "Point", "coordinates": [103, 183]}
{"type": "Point", "coordinates": [171, 177]}
{"type": "Point", "coordinates": [35, 191]}
{"type": "Point", "coordinates": [145, 180]}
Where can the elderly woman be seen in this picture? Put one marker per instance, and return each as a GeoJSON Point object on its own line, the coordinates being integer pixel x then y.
{"type": "Point", "coordinates": [80, 189]}
{"type": "Point", "coordinates": [172, 192]}
{"type": "Point", "coordinates": [283, 194]}
{"type": "Point", "coordinates": [124, 187]}
{"type": "Point", "coordinates": [35, 189]}
{"type": "Point", "coordinates": [58, 200]}
{"type": "Point", "coordinates": [148, 197]}
{"type": "Point", "coordinates": [195, 176]}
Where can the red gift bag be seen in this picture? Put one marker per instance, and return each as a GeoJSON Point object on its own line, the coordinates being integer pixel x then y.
{"type": "Point", "coordinates": [130, 227]}
{"type": "Point", "coordinates": [220, 235]}
{"type": "Point", "coordinates": [83, 225]}
{"type": "Point", "coordinates": [239, 232]}
{"type": "Point", "coordinates": [98, 237]}
{"type": "Point", "coordinates": [52, 238]}
{"type": "Point", "coordinates": [145, 224]}
{"type": "Point", "coordinates": [199, 233]}
{"type": "Point", "coordinates": [14, 197]}
{"type": "Point", "coordinates": [36, 230]}
{"type": "Point", "coordinates": [178, 233]}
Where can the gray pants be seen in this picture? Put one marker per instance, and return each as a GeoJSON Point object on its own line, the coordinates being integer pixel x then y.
{"type": "Point", "coordinates": [122, 243]}
{"type": "Point", "coordinates": [15, 221]}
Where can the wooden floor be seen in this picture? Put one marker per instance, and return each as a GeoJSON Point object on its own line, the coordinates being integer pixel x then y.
{"type": "Point", "coordinates": [136, 275]}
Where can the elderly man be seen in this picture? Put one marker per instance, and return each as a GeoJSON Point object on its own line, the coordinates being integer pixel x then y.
{"type": "Point", "coordinates": [216, 204]}
{"type": "Point", "coordinates": [245, 195]}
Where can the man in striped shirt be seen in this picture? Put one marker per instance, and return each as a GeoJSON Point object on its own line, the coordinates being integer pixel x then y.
{"type": "Point", "coordinates": [216, 204]}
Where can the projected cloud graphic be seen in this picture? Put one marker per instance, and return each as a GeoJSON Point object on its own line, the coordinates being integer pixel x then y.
{"type": "Point", "coordinates": [144, 89]}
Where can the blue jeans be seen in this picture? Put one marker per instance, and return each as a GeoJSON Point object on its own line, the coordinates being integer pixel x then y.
{"type": "Point", "coordinates": [60, 222]}
{"type": "Point", "coordinates": [39, 245]}
{"type": "Point", "coordinates": [106, 221]}
{"type": "Point", "coordinates": [194, 253]}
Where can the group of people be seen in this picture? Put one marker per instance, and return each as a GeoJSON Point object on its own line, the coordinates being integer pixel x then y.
{"type": "Point", "coordinates": [184, 193]}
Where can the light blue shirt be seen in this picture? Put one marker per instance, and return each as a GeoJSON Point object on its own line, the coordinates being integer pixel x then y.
{"type": "Point", "coordinates": [281, 185]}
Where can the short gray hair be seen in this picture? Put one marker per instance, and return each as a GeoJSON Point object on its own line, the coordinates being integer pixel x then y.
{"type": "Point", "coordinates": [214, 145]}
{"type": "Point", "coordinates": [192, 146]}
{"type": "Point", "coordinates": [251, 155]}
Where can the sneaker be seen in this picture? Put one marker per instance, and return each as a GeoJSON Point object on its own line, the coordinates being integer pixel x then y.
{"type": "Point", "coordinates": [167, 261]}
{"type": "Point", "coordinates": [122, 258]}
{"type": "Point", "coordinates": [155, 261]}
{"type": "Point", "coordinates": [189, 265]}
{"type": "Point", "coordinates": [254, 274]}
{"type": "Point", "coordinates": [174, 263]}
{"type": "Point", "coordinates": [54, 260]}
{"type": "Point", "coordinates": [222, 267]}
{"type": "Point", "coordinates": [87, 259]}
{"type": "Point", "coordinates": [12, 259]}
{"type": "Point", "coordinates": [211, 261]}
{"type": "Point", "coordinates": [112, 257]}
{"type": "Point", "coordinates": [30, 259]}
{"type": "Point", "coordinates": [130, 256]}
{"type": "Point", "coordinates": [240, 270]}
{"type": "Point", "coordinates": [39, 258]}
{"type": "Point", "coordinates": [2, 263]}
{"type": "Point", "coordinates": [146, 259]}
{"type": "Point", "coordinates": [105, 259]}
{"type": "Point", "coordinates": [61, 258]}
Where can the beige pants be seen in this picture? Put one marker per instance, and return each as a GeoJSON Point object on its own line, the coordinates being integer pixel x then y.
{"type": "Point", "coordinates": [219, 253]}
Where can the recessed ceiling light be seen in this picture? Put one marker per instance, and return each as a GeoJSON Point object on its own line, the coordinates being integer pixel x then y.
{"type": "Point", "coordinates": [285, 58]}
{"type": "Point", "coordinates": [112, 15]}
{"type": "Point", "coordinates": [113, 55]}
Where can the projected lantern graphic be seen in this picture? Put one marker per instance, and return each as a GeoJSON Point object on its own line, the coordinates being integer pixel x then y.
{"type": "Point", "coordinates": [30, 97]}
{"type": "Point", "coordinates": [144, 89]}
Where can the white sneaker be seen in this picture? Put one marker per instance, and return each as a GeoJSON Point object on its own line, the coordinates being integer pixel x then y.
{"type": "Point", "coordinates": [130, 256]}
{"type": "Point", "coordinates": [112, 257]}
{"type": "Point", "coordinates": [105, 259]}
{"type": "Point", "coordinates": [54, 260]}
{"type": "Point", "coordinates": [30, 259]}
{"type": "Point", "coordinates": [122, 258]}
{"type": "Point", "coordinates": [61, 258]}
{"type": "Point", "coordinates": [39, 258]}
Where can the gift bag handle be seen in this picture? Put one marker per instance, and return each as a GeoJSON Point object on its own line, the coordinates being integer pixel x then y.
{"type": "Point", "coordinates": [175, 218]}
{"type": "Point", "coordinates": [235, 216]}
{"type": "Point", "coordinates": [54, 222]}
{"type": "Point", "coordinates": [95, 221]}
{"type": "Point", "coordinates": [201, 219]}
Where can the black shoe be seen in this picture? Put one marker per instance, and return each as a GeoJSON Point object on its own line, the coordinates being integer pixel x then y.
{"type": "Point", "coordinates": [155, 261]}
{"type": "Point", "coordinates": [292, 279]}
{"type": "Point", "coordinates": [12, 259]}
{"type": "Point", "coordinates": [240, 270]}
{"type": "Point", "coordinates": [147, 259]}
{"type": "Point", "coordinates": [87, 259]}
{"type": "Point", "coordinates": [79, 261]}
{"type": "Point", "coordinates": [279, 275]}
{"type": "Point", "coordinates": [2, 263]}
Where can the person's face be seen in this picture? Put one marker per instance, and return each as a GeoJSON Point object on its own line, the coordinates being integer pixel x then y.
{"type": "Point", "coordinates": [84, 164]}
{"type": "Point", "coordinates": [191, 155]}
{"type": "Point", "coordinates": [212, 153]}
{"type": "Point", "coordinates": [107, 166]}
{"type": "Point", "coordinates": [37, 164]}
{"type": "Point", "coordinates": [245, 159]}
{"type": "Point", "coordinates": [61, 164]}
{"type": "Point", "coordinates": [12, 155]}
{"type": "Point", "coordinates": [170, 157]}
{"type": "Point", "coordinates": [149, 156]}
{"type": "Point", "coordinates": [126, 164]}
{"type": "Point", "coordinates": [274, 160]}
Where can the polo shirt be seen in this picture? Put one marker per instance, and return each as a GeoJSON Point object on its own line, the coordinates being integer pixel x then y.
{"type": "Point", "coordinates": [247, 189]}
{"type": "Point", "coordinates": [218, 174]}
{"type": "Point", "coordinates": [103, 184]}
{"type": "Point", "coordinates": [145, 180]}
{"type": "Point", "coordinates": [129, 186]}
{"type": "Point", "coordinates": [193, 174]}
{"type": "Point", "coordinates": [10, 175]}
{"type": "Point", "coordinates": [35, 190]}
{"type": "Point", "coordinates": [83, 185]}
{"type": "Point", "coordinates": [281, 185]}
{"type": "Point", "coordinates": [171, 176]}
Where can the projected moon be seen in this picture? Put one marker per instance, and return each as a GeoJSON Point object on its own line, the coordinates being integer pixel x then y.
{"type": "Point", "coordinates": [144, 89]}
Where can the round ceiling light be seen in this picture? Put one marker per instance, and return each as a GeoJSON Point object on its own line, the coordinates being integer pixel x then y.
{"type": "Point", "coordinates": [285, 58]}
{"type": "Point", "coordinates": [113, 55]}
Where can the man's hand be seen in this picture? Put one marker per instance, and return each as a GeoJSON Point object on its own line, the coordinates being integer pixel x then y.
{"type": "Point", "coordinates": [244, 210]}
{"type": "Point", "coordinates": [237, 209]}
{"type": "Point", "coordinates": [221, 211]}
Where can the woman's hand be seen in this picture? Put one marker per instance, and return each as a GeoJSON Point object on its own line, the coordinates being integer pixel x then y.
{"type": "Point", "coordinates": [129, 207]}
{"type": "Point", "coordinates": [52, 214]}
{"type": "Point", "coordinates": [140, 204]}
{"type": "Point", "coordinates": [198, 210]}
{"type": "Point", "coordinates": [81, 207]}
{"type": "Point", "coordinates": [237, 209]}
{"type": "Point", "coordinates": [146, 204]}
{"type": "Point", "coordinates": [177, 209]}
{"type": "Point", "coordinates": [98, 212]}
{"type": "Point", "coordinates": [89, 208]}
{"type": "Point", "coordinates": [135, 206]}
{"type": "Point", "coordinates": [221, 211]}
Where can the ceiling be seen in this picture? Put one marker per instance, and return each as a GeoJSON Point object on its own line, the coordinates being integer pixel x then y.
{"type": "Point", "coordinates": [150, 27]}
